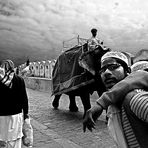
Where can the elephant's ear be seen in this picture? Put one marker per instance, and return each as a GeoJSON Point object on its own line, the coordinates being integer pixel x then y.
{"type": "Point", "coordinates": [86, 61]}
{"type": "Point", "coordinates": [90, 60]}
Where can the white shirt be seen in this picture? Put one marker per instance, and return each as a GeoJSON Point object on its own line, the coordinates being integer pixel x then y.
{"type": "Point", "coordinates": [92, 42]}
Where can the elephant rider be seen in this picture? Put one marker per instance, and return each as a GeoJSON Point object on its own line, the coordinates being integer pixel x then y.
{"type": "Point", "coordinates": [127, 113]}
{"type": "Point", "coordinates": [93, 41]}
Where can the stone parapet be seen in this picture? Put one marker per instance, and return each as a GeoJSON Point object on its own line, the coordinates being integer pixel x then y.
{"type": "Point", "coordinates": [44, 85]}
{"type": "Point", "coordinates": [39, 84]}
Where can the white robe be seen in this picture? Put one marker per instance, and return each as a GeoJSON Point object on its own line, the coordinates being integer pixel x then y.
{"type": "Point", "coordinates": [11, 129]}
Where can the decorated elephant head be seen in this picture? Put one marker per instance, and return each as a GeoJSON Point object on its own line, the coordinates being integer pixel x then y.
{"type": "Point", "coordinates": [90, 60]}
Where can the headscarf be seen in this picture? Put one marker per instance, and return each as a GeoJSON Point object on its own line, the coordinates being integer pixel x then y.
{"type": "Point", "coordinates": [7, 72]}
{"type": "Point", "coordinates": [8, 65]}
{"type": "Point", "coordinates": [93, 30]}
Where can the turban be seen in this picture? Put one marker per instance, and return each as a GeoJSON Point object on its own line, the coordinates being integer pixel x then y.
{"type": "Point", "coordinates": [140, 65]}
{"type": "Point", "coordinates": [117, 55]}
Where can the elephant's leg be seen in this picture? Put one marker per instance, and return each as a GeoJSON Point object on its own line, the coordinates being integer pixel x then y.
{"type": "Point", "coordinates": [55, 102]}
{"type": "Point", "coordinates": [72, 104]}
{"type": "Point", "coordinates": [86, 102]}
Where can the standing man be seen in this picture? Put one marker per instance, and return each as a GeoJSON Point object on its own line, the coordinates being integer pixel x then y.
{"type": "Point", "coordinates": [93, 41]}
{"type": "Point", "coordinates": [128, 117]}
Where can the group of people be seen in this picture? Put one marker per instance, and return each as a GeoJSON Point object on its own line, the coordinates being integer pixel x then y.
{"type": "Point", "coordinates": [14, 106]}
{"type": "Point", "coordinates": [125, 99]}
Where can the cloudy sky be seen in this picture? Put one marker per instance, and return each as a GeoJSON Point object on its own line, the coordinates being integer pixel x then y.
{"type": "Point", "coordinates": [36, 29]}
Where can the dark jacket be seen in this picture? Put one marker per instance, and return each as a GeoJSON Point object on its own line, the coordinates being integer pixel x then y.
{"type": "Point", "coordinates": [14, 100]}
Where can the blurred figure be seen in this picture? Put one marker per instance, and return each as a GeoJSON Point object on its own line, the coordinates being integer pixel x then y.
{"type": "Point", "coordinates": [17, 70]}
{"type": "Point", "coordinates": [26, 71]}
{"type": "Point", "coordinates": [14, 106]}
{"type": "Point", "coordinates": [27, 62]}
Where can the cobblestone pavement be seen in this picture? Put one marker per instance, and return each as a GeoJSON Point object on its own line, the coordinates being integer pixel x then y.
{"type": "Point", "coordinates": [61, 128]}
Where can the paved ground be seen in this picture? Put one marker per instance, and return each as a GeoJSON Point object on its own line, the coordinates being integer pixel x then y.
{"type": "Point", "coordinates": [61, 128]}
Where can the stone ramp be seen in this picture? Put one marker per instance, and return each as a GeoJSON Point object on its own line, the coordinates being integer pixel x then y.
{"type": "Point", "coordinates": [61, 128]}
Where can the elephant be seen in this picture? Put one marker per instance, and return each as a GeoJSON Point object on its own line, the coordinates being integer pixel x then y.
{"type": "Point", "coordinates": [76, 73]}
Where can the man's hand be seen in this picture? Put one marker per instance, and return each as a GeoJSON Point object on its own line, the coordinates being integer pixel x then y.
{"type": "Point", "coordinates": [91, 117]}
{"type": "Point", "coordinates": [88, 121]}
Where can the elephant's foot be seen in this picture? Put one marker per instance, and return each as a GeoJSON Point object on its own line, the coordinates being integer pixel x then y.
{"type": "Point", "coordinates": [55, 104]}
{"type": "Point", "coordinates": [73, 109]}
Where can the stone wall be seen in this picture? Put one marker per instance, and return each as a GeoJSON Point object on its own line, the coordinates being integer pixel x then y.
{"type": "Point", "coordinates": [44, 85]}
{"type": "Point", "coordinates": [39, 84]}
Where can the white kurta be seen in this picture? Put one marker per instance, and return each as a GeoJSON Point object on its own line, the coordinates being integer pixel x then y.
{"type": "Point", "coordinates": [11, 128]}
{"type": "Point", "coordinates": [115, 127]}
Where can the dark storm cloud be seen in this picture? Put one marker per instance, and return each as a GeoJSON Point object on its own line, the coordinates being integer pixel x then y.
{"type": "Point", "coordinates": [38, 27]}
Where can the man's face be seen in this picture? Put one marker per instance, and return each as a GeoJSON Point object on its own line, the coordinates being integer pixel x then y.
{"type": "Point", "coordinates": [111, 72]}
